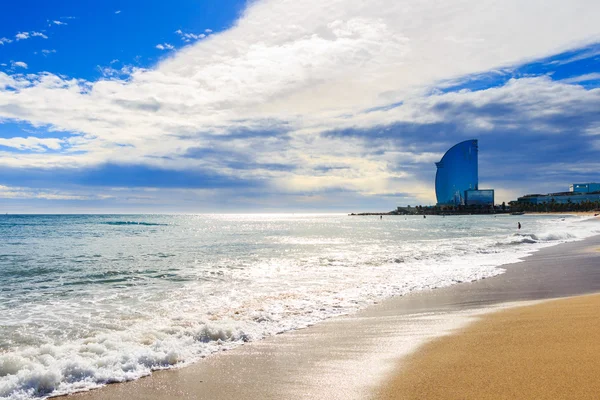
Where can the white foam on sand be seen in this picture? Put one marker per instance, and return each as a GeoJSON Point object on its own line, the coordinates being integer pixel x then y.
{"type": "Point", "coordinates": [358, 376]}
{"type": "Point", "coordinates": [274, 296]}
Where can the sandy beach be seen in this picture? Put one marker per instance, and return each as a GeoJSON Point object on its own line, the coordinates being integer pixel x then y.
{"type": "Point", "coordinates": [353, 357]}
{"type": "Point", "coordinates": [544, 351]}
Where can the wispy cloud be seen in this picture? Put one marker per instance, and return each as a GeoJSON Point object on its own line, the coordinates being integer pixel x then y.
{"type": "Point", "coordinates": [123, 72]}
{"type": "Point", "coordinates": [188, 37]}
{"type": "Point", "coordinates": [12, 192]}
{"type": "Point", "coordinates": [19, 64]}
{"type": "Point", "coordinates": [276, 105]}
{"type": "Point", "coordinates": [118, 12]}
{"type": "Point", "coordinates": [28, 35]}
{"type": "Point", "coordinates": [165, 46]}
{"type": "Point", "coordinates": [22, 36]}
{"type": "Point", "coordinates": [55, 22]}
{"type": "Point", "coordinates": [593, 52]}
{"type": "Point", "coordinates": [5, 40]}
{"type": "Point", "coordinates": [46, 52]}
{"type": "Point", "coordinates": [32, 143]}
{"type": "Point", "coordinates": [39, 34]}
{"type": "Point", "coordinates": [583, 78]}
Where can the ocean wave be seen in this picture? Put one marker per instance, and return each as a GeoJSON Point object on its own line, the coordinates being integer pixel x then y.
{"type": "Point", "coordinates": [173, 341]}
{"type": "Point", "coordinates": [544, 237]}
{"type": "Point", "coordinates": [52, 370]}
{"type": "Point", "coordinates": [133, 223]}
{"type": "Point", "coordinates": [260, 291]}
{"type": "Point", "coordinates": [525, 239]}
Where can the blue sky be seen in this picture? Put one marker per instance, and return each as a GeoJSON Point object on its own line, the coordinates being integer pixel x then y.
{"type": "Point", "coordinates": [88, 36]}
{"type": "Point", "coordinates": [281, 105]}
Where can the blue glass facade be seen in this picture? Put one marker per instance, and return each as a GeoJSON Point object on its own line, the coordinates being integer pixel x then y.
{"type": "Point", "coordinates": [561, 198]}
{"type": "Point", "coordinates": [585, 187]}
{"type": "Point", "coordinates": [479, 197]}
{"type": "Point", "coordinates": [457, 172]}
{"type": "Point", "coordinates": [578, 193]}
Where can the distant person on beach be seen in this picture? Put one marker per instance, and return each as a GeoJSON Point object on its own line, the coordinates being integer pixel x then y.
{"type": "Point", "coordinates": [381, 217]}
{"type": "Point", "coordinates": [518, 225]}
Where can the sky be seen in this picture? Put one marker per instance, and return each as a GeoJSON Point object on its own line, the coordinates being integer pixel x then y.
{"type": "Point", "coordinates": [290, 105]}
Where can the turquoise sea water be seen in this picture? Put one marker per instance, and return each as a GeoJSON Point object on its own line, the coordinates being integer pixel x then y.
{"type": "Point", "coordinates": [90, 299]}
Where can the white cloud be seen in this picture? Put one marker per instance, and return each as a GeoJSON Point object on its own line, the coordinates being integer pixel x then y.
{"type": "Point", "coordinates": [113, 73]}
{"type": "Point", "coordinates": [8, 192]}
{"type": "Point", "coordinates": [118, 12]}
{"type": "Point", "coordinates": [583, 78]}
{"type": "Point", "coordinates": [39, 34]}
{"type": "Point", "coordinates": [595, 52]}
{"type": "Point", "coordinates": [19, 64]}
{"type": "Point", "coordinates": [165, 46]}
{"type": "Point", "coordinates": [28, 35]}
{"type": "Point", "coordinates": [32, 143]}
{"type": "Point", "coordinates": [59, 23]}
{"type": "Point", "coordinates": [46, 52]}
{"type": "Point", "coordinates": [188, 37]}
{"type": "Point", "coordinates": [208, 30]}
{"type": "Point", "coordinates": [22, 36]}
{"type": "Point", "coordinates": [307, 73]}
{"type": "Point", "coordinates": [5, 40]}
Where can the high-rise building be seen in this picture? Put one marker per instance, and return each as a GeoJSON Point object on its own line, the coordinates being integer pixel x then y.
{"type": "Point", "coordinates": [457, 172]}
{"type": "Point", "coordinates": [457, 177]}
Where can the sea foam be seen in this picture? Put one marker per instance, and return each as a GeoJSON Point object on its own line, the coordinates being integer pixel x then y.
{"type": "Point", "coordinates": [230, 280]}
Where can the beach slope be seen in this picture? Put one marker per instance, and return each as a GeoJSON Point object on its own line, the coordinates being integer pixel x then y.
{"type": "Point", "coordinates": [545, 351]}
{"type": "Point", "coordinates": [351, 357]}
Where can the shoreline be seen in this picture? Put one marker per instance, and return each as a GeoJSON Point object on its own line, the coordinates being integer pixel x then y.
{"type": "Point", "coordinates": [577, 213]}
{"type": "Point", "coordinates": [458, 214]}
{"type": "Point", "coordinates": [543, 351]}
{"type": "Point", "coordinates": [340, 348]}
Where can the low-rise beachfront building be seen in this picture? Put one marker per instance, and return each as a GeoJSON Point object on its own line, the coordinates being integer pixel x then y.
{"type": "Point", "coordinates": [584, 187]}
{"type": "Point", "coordinates": [479, 197]}
{"type": "Point", "coordinates": [457, 177]}
{"type": "Point", "coordinates": [560, 198]}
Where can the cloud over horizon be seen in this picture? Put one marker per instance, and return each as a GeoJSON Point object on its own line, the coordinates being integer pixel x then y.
{"type": "Point", "coordinates": [349, 97]}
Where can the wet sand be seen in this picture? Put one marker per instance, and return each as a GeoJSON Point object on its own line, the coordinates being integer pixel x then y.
{"type": "Point", "coordinates": [350, 357]}
{"type": "Point", "coordinates": [545, 351]}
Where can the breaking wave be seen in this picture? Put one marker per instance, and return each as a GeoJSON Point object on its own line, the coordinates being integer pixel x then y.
{"type": "Point", "coordinates": [137, 304]}
{"type": "Point", "coordinates": [133, 223]}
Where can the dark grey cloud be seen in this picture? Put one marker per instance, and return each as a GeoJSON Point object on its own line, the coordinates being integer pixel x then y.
{"type": "Point", "coordinates": [526, 138]}
{"type": "Point", "coordinates": [114, 175]}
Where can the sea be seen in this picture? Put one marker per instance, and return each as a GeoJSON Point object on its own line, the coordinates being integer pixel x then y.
{"type": "Point", "coordinates": [87, 300]}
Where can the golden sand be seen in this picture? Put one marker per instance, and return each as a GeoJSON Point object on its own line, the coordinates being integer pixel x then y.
{"type": "Point", "coordinates": [545, 351]}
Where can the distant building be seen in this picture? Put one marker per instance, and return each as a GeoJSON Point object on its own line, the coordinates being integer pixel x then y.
{"type": "Point", "coordinates": [578, 193]}
{"type": "Point", "coordinates": [457, 177]}
{"type": "Point", "coordinates": [479, 197]}
{"type": "Point", "coordinates": [584, 187]}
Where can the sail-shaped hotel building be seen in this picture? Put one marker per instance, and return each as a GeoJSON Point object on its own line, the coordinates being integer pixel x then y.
{"type": "Point", "coordinates": [457, 177]}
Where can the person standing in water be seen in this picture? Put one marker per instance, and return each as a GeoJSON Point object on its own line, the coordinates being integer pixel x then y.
{"type": "Point", "coordinates": [518, 225]}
